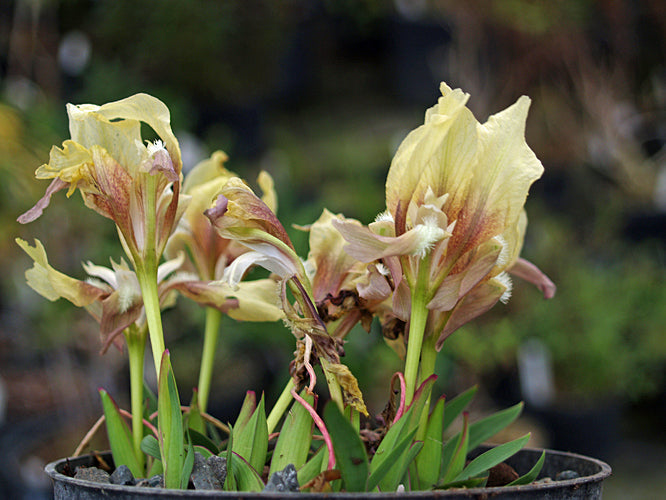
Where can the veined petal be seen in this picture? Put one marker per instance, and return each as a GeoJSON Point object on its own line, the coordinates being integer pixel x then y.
{"type": "Point", "coordinates": [269, 258]}
{"type": "Point", "coordinates": [237, 209]}
{"type": "Point", "coordinates": [102, 125]}
{"type": "Point", "coordinates": [524, 269]}
{"type": "Point", "coordinates": [53, 284]}
{"type": "Point", "coordinates": [366, 246]}
{"type": "Point", "coordinates": [476, 302]}
{"type": "Point", "coordinates": [416, 153]}
{"type": "Point", "coordinates": [330, 262]}
{"type": "Point", "coordinates": [209, 170]}
{"type": "Point", "coordinates": [504, 170]}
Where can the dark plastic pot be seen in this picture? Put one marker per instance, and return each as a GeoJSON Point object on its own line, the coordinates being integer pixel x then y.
{"type": "Point", "coordinates": [587, 486]}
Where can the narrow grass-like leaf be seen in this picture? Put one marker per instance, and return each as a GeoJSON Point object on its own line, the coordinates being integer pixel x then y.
{"type": "Point", "coordinates": [409, 464]}
{"type": "Point", "coordinates": [492, 457]}
{"type": "Point", "coordinates": [120, 436]}
{"type": "Point", "coordinates": [349, 450]}
{"type": "Point", "coordinates": [155, 469]}
{"type": "Point", "coordinates": [457, 462]}
{"type": "Point", "coordinates": [313, 466]}
{"type": "Point", "coordinates": [170, 425]}
{"type": "Point", "coordinates": [487, 427]}
{"type": "Point", "coordinates": [246, 477]}
{"type": "Point", "coordinates": [251, 442]}
{"type": "Point", "coordinates": [188, 465]}
{"type": "Point", "coordinates": [246, 411]}
{"type": "Point", "coordinates": [293, 443]}
{"type": "Point", "coordinates": [428, 462]}
{"type": "Point", "coordinates": [230, 481]}
{"type": "Point", "coordinates": [406, 424]}
{"type": "Point", "coordinates": [532, 474]}
{"type": "Point", "coordinates": [457, 405]}
{"type": "Point", "coordinates": [474, 482]}
{"type": "Point", "coordinates": [390, 459]}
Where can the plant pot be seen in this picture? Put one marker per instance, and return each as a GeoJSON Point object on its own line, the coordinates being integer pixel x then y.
{"type": "Point", "coordinates": [587, 486]}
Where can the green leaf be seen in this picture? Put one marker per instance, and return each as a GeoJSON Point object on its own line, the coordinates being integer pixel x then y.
{"type": "Point", "coordinates": [194, 419]}
{"type": "Point", "coordinates": [492, 457]}
{"type": "Point", "coordinates": [532, 474]}
{"type": "Point", "coordinates": [313, 466]}
{"type": "Point", "coordinates": [412, 453]}
{"type": "Point", "coordinates": [245, 476]}
{"type": "Point", "coordinates": [120, 436]}
{"type": "Point", "coordinates": [474, 482]}
{"type": "Point", "coordinates": [202, 440]}
{"type": "Point", "coordinates": [170, 425]}
{"type": "Point", "coordinates": [188, 465]}
{"type": "Point", "coordinates": [405, 425]}
{"type": "Point", "coordinates": [389, 460]}
{"type": "Point", "coordinates": [456, 406]}
{"type": "Point", "coordinates": [251, 442]}
{"type": "Point", "coordinates": [230, 481]}
{"type": "Point", "coordinates": [155, 469]}
{"type": "Point", "coordinates": [486, 428]}
{"type": "Point", "coordinates": [151, 401]}
{"type": "Point", "coordinates": [246, 411]}
{"type": "Point", "coordinates": [205, 452]}
{"type": "Point", "coordinates": [457, 462]}
{"type": "Point", "coordinates": [349, 450]}
{"type": "Point", "coordinates": [293, 443]}
{"type": "Point", "coordinates": [428, 462]}
{"type": "Point", "coordinates": [151, 447]}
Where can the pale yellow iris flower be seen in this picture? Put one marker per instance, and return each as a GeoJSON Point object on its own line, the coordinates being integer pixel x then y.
{"type": "Point", "coordinates": [455, 221]}
{"type": "Point", "coordinates": [124, 178]}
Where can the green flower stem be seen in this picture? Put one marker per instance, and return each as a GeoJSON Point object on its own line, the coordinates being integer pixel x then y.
{"type": "Point", "coordinates": [428, 359]}
{"type": "Point", "coordinates": [417, 324]}
{"type": "Point", "coordinates": [211, 334]}
{"type": "Point", "coordinates": [280, 406]}
{"type": "Point", "coordinates": [136, 350]}
{"type": "Point", "coordinates": [146, 273]}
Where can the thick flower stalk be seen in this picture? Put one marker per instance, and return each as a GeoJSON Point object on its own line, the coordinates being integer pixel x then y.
{"type": "Point", "coordinates": [134, 183]}
{"type": "Point", "coordinates": [209, 255]}
{"type": "Point", "coordinates": [454, 224]}
{"type": "Point", "coordinates": [238, 214]}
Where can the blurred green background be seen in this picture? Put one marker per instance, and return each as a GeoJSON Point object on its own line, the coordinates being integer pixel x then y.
{"type": "Point", "coordinates": [320, 93]}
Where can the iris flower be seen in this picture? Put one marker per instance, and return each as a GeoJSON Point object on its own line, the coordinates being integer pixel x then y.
{"type": "Point", "coordinates": [238, 214]}
{"type": "Point", "coordinates": [111, 295]}
{"type": "Point", "coordinates": [455, 222]}
{"type": "Point", "coordinates": [134, 183]}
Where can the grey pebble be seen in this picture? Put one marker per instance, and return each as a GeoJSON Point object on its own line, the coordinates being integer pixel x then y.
{"type": "Point", "coordinates": [92, 474]}
{"type": "Point", "coordinates": [203, 477]}
{"type": "Point", "coordinates": [566, 474]}
{"type": "Point", "coordinates": [152, 482]}
{"type": "Point", "coordinates": [285, 480]}
{"type": "Point", "coordinates": [122, 476]}
{"type": "Point", "coordinates": [218, 466]}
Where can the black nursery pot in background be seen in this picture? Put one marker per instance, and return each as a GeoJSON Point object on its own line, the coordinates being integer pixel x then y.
{"type": "Point", "coordinates": [587, 486]}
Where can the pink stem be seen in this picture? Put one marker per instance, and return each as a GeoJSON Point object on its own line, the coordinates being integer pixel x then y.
{"type": "Point", "coordinates": [320, 425]}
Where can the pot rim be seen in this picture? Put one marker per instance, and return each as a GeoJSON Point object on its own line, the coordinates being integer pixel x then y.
{"type": "Point", "coordinates": [603, 473]}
